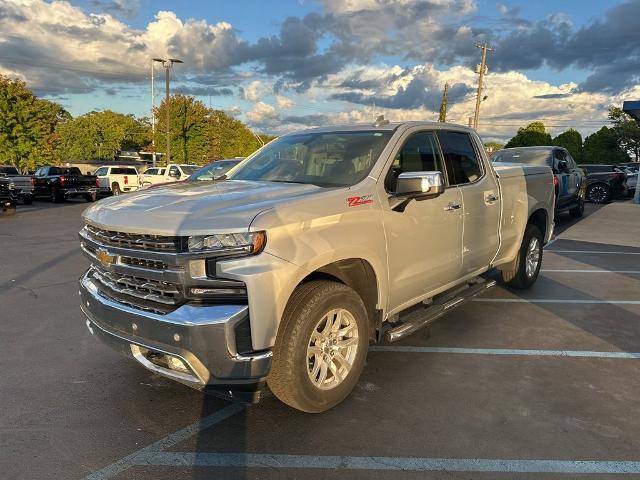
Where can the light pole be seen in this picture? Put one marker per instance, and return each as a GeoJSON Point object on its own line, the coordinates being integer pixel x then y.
{"type": "Point", "coordinates": [167, 63]}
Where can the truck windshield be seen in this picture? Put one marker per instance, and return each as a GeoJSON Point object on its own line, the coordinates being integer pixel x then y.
{"type": "Point", "coordinates": [528, 156]}
{"type": "Point", "coordinates": [326, 159]}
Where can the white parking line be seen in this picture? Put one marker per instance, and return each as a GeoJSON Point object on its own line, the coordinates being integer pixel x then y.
{"type": "Point", "coordinates": [546, 270]}
{"type": "Point", "coordinates": [404, 464]}
{"type": "Point", "coordinates": [593, 252]}
{"type": "Point", "coordinates": [505, 351]}
{"type": "Point", "coordinates": [547, 300]}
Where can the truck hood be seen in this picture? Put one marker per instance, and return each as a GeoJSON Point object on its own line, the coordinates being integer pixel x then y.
{"type": "Point", "coordinates": [187, 208]}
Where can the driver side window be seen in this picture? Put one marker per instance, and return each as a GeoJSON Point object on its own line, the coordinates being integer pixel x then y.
{"type": "Point", "coordinates": [420, 153]}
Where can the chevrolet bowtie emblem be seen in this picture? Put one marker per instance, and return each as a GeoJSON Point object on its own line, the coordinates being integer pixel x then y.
{"type": "Point", "coordinates": [105, 258]}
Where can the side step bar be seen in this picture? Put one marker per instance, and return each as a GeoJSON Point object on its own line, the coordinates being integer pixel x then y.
{"type": "Point", "coordinates": [421, 317]}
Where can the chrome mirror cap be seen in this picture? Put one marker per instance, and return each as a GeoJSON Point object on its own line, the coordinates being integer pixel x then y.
{"type": "Point", "coordinates": [420, 184]}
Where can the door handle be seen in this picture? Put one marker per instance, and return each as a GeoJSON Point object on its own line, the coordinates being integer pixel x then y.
{"type": "Point", "coordinates": [451, 207]}
{"type": "Point", "coordinates": [491, 198]}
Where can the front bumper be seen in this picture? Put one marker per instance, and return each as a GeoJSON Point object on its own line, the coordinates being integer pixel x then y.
{"type": "Point", "coordinates": [201, 336]}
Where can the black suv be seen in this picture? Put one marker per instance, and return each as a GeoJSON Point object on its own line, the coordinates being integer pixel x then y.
{"type": "Point", "coordinates": [605, 182]}
{"type": "Point", "coordinates": [569, 179]}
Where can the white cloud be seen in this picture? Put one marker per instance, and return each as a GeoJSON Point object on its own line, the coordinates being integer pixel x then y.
{"type": "Point", "coordinates": [284, 102]}
{"type": "Point", "coordinates": [262, 114]}
{"type": "Point", "coordinates": [253, 91]}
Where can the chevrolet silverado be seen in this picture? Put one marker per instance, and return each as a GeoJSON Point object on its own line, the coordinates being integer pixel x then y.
{"type": "Point", "coordinates": [316, 245]}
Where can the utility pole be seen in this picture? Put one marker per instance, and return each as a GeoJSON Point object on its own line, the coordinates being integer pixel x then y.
{"type": "Point", "coordinates": [167, 64]}
{"type": "Point", "coordinates": [153, 115]}
{"type": "Point", "coordinates": [482, 70]}
{"type": "Point", "coordinates": [445, 102]}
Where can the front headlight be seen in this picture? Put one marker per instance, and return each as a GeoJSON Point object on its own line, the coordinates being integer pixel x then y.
{"type": "Point", "coordinates": [248, 243]}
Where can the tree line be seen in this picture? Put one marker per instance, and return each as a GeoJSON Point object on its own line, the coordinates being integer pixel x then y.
{"type": "Point", "coordinates": [35, 131]}
{"type": "Point", "coordinates": [616, 144]}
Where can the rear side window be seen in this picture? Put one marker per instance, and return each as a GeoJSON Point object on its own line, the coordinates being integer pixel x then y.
{"type": "Point", "coordinates": [419, 154]}
{"type": "Point", "coordinates": [462, 162]}
{"type": "Point", "coordinates": [101, 172]}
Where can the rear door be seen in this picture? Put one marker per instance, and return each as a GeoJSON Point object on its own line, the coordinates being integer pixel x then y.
{"type": "Point", "coordinates": [575, 177]}
{"type": "Point", "coordinates": [480, 198]}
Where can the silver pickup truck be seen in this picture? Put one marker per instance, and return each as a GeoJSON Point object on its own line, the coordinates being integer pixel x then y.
{"type": "Point", "coordinates": [316, 245]}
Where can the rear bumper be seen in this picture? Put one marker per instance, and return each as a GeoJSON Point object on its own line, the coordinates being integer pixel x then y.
{"type": "Point", "coordinates": [76, 192]}
{"type": "Point", "coordinates": [202, 337]}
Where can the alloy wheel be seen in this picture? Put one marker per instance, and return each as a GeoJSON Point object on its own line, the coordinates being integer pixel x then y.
{"type": "Point", "coordinates": [532, 258]}
{"type": "Point", "coordinates": [332, 349]}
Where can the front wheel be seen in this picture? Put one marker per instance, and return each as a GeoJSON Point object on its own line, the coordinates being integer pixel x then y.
{"type": "Point", "coordinates": [321, 346]}
{"type": "Point", "coordinates": [526, 267]}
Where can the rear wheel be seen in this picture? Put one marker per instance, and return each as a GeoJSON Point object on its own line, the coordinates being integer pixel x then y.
{"type": "Point", "coordinates": [321, 346]}
{"type": "Point", "coordinates": [524, 270]}
{"type": "Point", "coordinates": [115, 189]}
{"type": "Point", "coordinates": [599, 193]}
{"type": "Point", "coordinates": [578, 210]}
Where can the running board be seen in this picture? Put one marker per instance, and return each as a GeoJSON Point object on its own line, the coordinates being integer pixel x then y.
{"type": "Point", "coordinates": [420, 318]}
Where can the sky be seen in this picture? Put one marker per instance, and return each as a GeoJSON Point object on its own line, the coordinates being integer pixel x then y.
{"type": "Point", "coordinates": [291, 64]}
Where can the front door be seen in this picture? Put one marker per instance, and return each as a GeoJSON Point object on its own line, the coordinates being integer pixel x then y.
{"type": "Point", "coordinates": [424, 242]}
{"type": "Point", "coordinates": [480, 198]}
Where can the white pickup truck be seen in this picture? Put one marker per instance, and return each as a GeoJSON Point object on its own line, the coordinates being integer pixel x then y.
{"type": "Point", "coordinates": [116, 179]}
{"type": "Point", "coordinates": [173, 172]}
{"type": "Point", "coordinates": [316, 245]}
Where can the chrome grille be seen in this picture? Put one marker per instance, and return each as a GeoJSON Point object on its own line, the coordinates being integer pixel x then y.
{"type": "Point", "coordinates": [141, 288]}
{"type": "Point", "coordinates": [156, 243]}
{"type": "Point", "coordinates": [143, 263]}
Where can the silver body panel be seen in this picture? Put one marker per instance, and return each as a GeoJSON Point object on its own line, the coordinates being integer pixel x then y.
{"type": "Point", "coordinates": [415, 254]}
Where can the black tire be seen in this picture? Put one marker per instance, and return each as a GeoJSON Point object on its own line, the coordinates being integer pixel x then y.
{"type": "Point", "coordinates": [516, 276]}
{"type": "Point", "coordinates": [91, 197]}
{"type": "Point", "coordinates": [290, 379]}
{"type": "Point", "coordinates": [599, 193]}
{"type": "Point", "coordinates": [578, 210]}
{"type": "Point", "coordinates": [55, 196]}
{"type": "Point", "coordinates": [115, 189]}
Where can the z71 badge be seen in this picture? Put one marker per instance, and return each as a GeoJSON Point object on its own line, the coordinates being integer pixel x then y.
{"type": "Point", "coordinates": [363, 200]}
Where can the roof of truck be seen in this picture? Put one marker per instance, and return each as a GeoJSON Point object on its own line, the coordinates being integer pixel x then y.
{"type": "Point", "coordinates": [391, 126]}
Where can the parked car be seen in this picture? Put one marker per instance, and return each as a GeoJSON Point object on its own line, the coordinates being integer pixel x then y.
{"type": "Point", "coordinates": [8, 196]}
{"type": "Point", "coordinates": [23, 183]}
{"type": "Point", "coordinates": [632, 176]}
{"type": "Point", "coordinates": [314, 245]}
{"type": "Point", "coordinates": [172, 173]}
{"type": "Point", "coordinates": [604, 183]}
{"type": "Point", "coordinates": [569, 180]}
{"type": "Point", "coordinates": [117, 179]}
{"type": "Point", "coordinates": [59, 183]}
{"type": "Point", "coordinates": [213, 170]}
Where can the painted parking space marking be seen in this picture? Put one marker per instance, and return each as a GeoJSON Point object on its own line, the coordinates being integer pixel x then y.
{"type": "Point", "coordinates": [505, 351]}
{"type": "Point", "coordinates": [549, 270]}
{"type": "Point", "coordinates": [549, 300]}
{"type": "Point", "coordinates": [133, 459]}
{"type": "Point", "coordinates": [404, 464]}
{"type": "Point", "coordinates": [594, 252]}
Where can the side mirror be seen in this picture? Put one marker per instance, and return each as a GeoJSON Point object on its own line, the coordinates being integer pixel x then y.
{"type": "Point", "coordinates": [418, 185]}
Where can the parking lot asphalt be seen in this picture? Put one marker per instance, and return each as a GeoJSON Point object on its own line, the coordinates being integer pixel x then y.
{"type": "Point", "coordinates": [542, 383]}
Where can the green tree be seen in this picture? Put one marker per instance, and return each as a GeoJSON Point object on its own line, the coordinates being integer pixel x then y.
{"type": "Point", "coordinates": [532, 135]}
{"type": "Point", "coordinates": [572, 141]}
{"type": "Point", "coordinates": [442, 117]}
{"type": "Point", "coordinates": [27, 125]}
{"type": "Point", "coordinates": [603, 147]}
{"type": "Point", "coordinates": [627, 131]}
{"type": "Point", "coordinates": [99, 136]}
{"type": "Point", "coordinates": [188, 120]}
{"type": "Point", "coordinates": [230, 137]}
{"type": "Point", "coordinates": [494, 146]}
